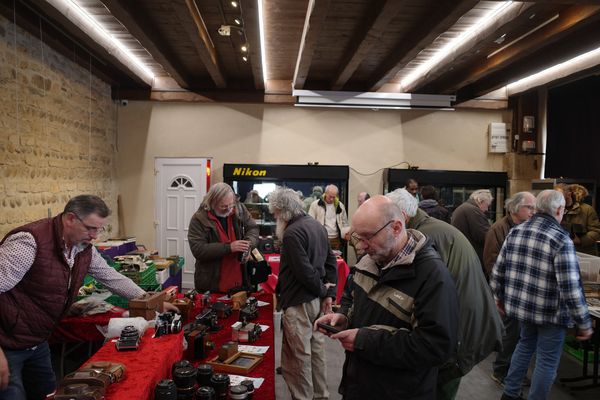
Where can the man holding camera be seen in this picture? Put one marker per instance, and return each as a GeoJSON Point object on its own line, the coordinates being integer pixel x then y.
{"type": "Point", "coordinates": [42, 266]}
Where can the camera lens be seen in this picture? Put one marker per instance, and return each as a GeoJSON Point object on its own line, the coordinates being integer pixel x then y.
{"type": "Point", "coordinates": [220, 382]}
{"type": "Point", "coordinates": [180, 364]}
{"type": "Point", "coordinates": [205, 393]}
{"type": "Point", "coordinates": [165, 390]}
{"type": "Point", "coordinates": [238, 392]}
{"type": "Point", "coordinates": [185, 377]}
{"type": "Point", "coordinates": [249, 384]}
{"type": "Point", "coordinates": [205, 372]}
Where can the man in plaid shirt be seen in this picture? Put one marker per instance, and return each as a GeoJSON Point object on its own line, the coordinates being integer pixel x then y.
{"type": "Point", "coordinates": [536, 281]}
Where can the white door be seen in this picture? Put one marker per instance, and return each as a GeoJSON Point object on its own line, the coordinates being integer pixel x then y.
{"type": "Point", "coordinates": [181, 184]}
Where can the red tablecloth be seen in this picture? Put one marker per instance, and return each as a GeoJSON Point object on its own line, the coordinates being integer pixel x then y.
{"type": "Point", "coordinates": [153, 360]}
{"type": "Point", "coordinates": [273, 260]}
{"type": "Point", "coordinates": [83, 328]}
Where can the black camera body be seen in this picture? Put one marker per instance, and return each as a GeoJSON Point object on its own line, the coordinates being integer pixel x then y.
{"type": "Point", "coordinates": [250, 310]}
{"type": "Point", "coordinates": [198, 340]}
{"type": "Point", "coordinates": [223, 310]}
{"type": "Point", "coordinates": [209, 319]}
{"type": "Point", "coordinates": [245, 333]}
{"type": "Point", "coordinates": [167, 323]}
{"type": "Point", "coordinates": [129, 339]}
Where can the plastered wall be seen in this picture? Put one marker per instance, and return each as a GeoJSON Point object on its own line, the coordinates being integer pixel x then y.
{"type": "Point", "coordinates": [365, 140]}
{"type": "Point", "coordinates": [57, 132]}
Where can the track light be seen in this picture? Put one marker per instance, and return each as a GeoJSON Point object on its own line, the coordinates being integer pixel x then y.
{"type": "Point", "coordinates": [244, 48]}
{"type": "Point", "coordinates": [234, 4]}
{"type": "Point", "coordinates": [245, 58]}
{"type": "Point", "coordinates": [238, 21]}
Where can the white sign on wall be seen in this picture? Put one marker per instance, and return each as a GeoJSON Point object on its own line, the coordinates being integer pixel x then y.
{"type": "Point", "coordinates": [498, 137]}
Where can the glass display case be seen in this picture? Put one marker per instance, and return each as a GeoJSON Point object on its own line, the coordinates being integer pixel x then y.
{"type": "Point", "coordinates": [454, 187]}
{"type": "Point", "coordinates": [254, 182]}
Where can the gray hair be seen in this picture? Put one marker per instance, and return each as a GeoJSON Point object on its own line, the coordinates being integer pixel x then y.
{"type": "Point", "coordinates": [513, 203]}
{"type": "Point", "coordinates": [287, 202]}
{"type": "Point", "coordinates": [549, 201]}
{"type": "Point", "coordinates": [86, 204]}
{"type": "Point", "coordinates": [481, 195]}
{"type": "Point", "coordinates": [317, 191]}
{"type": "Point", "coordinates": [216, 193]}
{"type": "Point", "coordinates": [407, 203]}
{"type": "Point", "coordinates": [330, 188]}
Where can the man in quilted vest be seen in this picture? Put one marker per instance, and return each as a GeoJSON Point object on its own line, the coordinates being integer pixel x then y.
{"type": "Point", "coordinates": [42, 266]}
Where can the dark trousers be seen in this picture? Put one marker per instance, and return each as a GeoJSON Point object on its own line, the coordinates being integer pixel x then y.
{"type": "Point", "coordinates": [510, 339]}
{"type": "Point", "coordinates": [31, 374]}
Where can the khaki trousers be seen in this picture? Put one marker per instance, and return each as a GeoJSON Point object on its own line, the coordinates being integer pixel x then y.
{"type": "Point", "coordinates": [303, 352]}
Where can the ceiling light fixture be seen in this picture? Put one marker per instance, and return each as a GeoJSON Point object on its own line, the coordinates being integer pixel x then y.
{"type": "Point", "coordinates": [234, 4]}
{"type": "Point", "coordinates": [566, 68]}
{"type": "Point", "coordinates": [261, 28]}
{"type": "Point", "coordinates": [244, 48]}
{"type": "Point", "coordinates": [237, 21]}
{"type": "Point", "coordinates": [450, 48]}
{"type": "Point", "coordinates": [380, 100]}
{"type": "Point", "coordinates": [523, 36]}
{"type": "Point", "coordinates": [94, 29]}
{"type": "Point", "coordinates": [245, 58]}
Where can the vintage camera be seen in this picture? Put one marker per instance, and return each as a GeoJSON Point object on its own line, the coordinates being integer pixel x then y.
{"type": "Point", "coordinates": [245, 333]}
{"type": "Point", "coordinates": [167, 323]}
{"type": "Point", "coordinates": [209, 319]}
{"type": "Point", "coordinates": [129, 339]}
{"type": "Point", "coordinates": [227, 350]}
{"type": "Point", "coordinates": [250, 311]}
{"type": "Point", "coordinates": [79, 391]}
{"type": "Point", "coordinates": [165, 390]}
{"type": "Point", "coordinates": [223, 310]}
{"type": "Point", "coordinates": [115, 371]}
{"type": "Point", "coordinates": [191, 294]}
{"type": "Point", "coordinates": [198, 341]}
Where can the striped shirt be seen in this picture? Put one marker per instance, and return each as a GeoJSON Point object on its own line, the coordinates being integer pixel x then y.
{"type": "Point", "coordinates": [536, 275]}
{"type": "Point", "coordinates": [18, 252]}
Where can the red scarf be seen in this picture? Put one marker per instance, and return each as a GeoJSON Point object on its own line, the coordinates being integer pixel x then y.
{"type": "Point", "coordinates": [231, 273]}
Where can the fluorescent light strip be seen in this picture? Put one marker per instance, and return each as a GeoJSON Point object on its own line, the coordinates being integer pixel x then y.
{"type": "Point", "coordinates": [261, 26]}
{"type": "Point", "coordinates": [99, 29]}
{"type": "Point", "coordinates": [523, 36]}
{"type": "Point", "coordinates": [442, 53]}
{"type": "Point", "coordinates": [584, 61]}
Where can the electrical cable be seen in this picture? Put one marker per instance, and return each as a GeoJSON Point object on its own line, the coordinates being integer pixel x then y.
{"type": "Point", "coordinates": [381, 169]}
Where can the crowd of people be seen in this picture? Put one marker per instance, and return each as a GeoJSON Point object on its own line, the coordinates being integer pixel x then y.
{"type": "Point", "coordinates": [428, 298]}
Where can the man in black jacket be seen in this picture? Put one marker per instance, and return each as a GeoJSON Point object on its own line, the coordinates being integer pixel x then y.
{"type": "Point", "coordinates": [305, 290]}
{"type": "Point", "coordinates": [402, 323]}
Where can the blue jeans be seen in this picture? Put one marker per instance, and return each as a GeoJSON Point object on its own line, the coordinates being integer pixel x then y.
{"type": "Point", "coordinates": [546, 341]}
{"type": "Point", "coordinates": [31, 374]}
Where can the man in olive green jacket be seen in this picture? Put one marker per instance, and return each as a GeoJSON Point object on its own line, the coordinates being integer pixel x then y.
{"type": "Point", "coordinates": [480, 325]}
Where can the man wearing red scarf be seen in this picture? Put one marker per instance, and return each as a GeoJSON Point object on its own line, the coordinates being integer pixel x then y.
{"type": "Point", "coordinates": [221, 234]}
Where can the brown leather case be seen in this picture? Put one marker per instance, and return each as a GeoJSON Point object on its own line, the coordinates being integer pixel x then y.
{"type": "Point", "coordinates": [89, 377]}
{"type": "Point", "coordinates": [185, 307]}
{"type": "Point", "coordinates": [146, 305]}
{"type": "Point", "coordinates": [116, 371]}
{"type": "Point", "coordinates": [79, 391]}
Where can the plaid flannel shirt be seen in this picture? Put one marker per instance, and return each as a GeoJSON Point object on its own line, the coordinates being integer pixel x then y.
{"type": "Point", "coordinates": [536, 275]}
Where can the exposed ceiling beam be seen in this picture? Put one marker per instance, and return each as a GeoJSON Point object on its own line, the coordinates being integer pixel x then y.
{"type": "Point", "coordinates": [250, 17]}
{"type": "Point", "coordinates": [579, 42]}
{"type": "Point", "coordinates": [577, 15]}
{"type": "Point", "coordinates": [441, 19]}
{"type": "Point", "coordinates": [148, 38]}
{"type": "Point", "coordinates": [366, 36]}
{"type": "Point", "coordinates": [60, 28]}
{"type": "Point", "coordinates": [315, 17]}
{"type": "Point", "coordinates": [191, 20]}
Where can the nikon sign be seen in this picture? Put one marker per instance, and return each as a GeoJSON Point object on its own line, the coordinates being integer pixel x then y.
{"type": "Point", "coordinates": [247, 171]}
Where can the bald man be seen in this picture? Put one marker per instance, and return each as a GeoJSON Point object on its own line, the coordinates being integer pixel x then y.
{"type": "Point", "coordinates": [402, 322]}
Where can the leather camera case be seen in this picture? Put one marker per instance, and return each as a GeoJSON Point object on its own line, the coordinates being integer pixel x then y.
{"type": "Point", "coordinates": [89, 377]}
{"type": "Point", "coordinates": [79, 391]}
{"type": "Point", "coordinates": [115, 371]}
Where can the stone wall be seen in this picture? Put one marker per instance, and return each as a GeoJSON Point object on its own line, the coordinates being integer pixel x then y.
{"type": "Point", "coordinates": [57, 131]}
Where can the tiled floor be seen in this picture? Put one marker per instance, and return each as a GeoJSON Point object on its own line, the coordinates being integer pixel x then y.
{"type": "Point", "coordinates": [476, 385]}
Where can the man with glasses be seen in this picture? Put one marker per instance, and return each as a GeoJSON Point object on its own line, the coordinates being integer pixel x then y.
{"type": "Point", "coordinates": [221, 235]}
{"type": "Point", "coordinates": [520, 208]}
{"type": "Point", "coordinates": [402, 322]}
{"type": "Point", "coordinates": [42, 266]}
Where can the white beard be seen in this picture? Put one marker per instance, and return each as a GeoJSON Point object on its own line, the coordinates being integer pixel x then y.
{"type": "Point", "coordinates": [280, 228]}
{"type": "Point", "coordinates": [227, 214]}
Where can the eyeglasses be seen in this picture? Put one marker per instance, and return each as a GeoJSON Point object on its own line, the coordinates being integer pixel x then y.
{"type": "Point", "coordinates": [358, 239]}
{"type": "Point", "coordinates": [90, 229]}
{"type": "Point", "coordinates": [226, 207]}
{"type": "Point", "coordinates": [529, 207]}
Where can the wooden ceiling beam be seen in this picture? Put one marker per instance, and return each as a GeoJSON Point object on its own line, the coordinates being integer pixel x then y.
{"type": "Point", "coordinates": [148, 38]}
{"type": "Point", "coordinates": [574, 17]}
{"type": "Point", "coordinates": [315, 18]}
{"type": "Point", "coordinates": [367, 35]}
{"type": "Point", "coordinates": [191, 20]}
{"type": "Point", "coordinates": [70, 41]}
{"type": "Point", "coordinates": [578, 43]}
{"type": "Point", "coordinates": [441, 19]}
{"type": "Point", "coordinates": [251, 27]}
